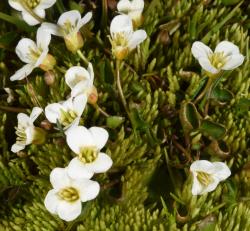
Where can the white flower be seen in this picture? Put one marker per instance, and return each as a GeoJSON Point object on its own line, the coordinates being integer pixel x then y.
{"type": "Point", "coordinates": [80, 80]}
{"type": "Point", "coordinates": [34, 54]}
{"type": "Point", "coordinates": [37, 6]}
{"type": "Point", "coordinates": [68, 26]}
{"type": "Point", "coordinates": [26, 132]}
{"type": "Point", "coordinates": [225, 57]}
{"type": "Point", "coordinates": [123, 38]}
{"type": "Point", "coordinates": [68, 112]}
{"type": "Point", "coordinates": [133, 9]}
{"type": "Point", "coordinates": [87, 143]}
{"type": "Point", "coordinates": [207, 175]}
{"type": "Point", "coordinates": [67, 195]}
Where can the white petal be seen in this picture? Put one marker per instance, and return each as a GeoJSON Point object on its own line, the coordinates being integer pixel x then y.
{"type": "Point", "coordinates": [45, 4]}
{"type": "Point", "coordinates": [207, 66]}
{"type": "Point", "coordinates": [52, 112]}
{"type": "Point", "coordinates": [211, 187]}
{"type": "Point", "coordinates": [76, 74]}
{"type": "Point", "coordinates": [227, 48]}
{"type": "Point", "coordinates": [202, 166]}
{"type": "Point", "coordinates": [221, 171]}
{"type": "Point", "coordinates": [52, 29]}
{"type": "Point", "coordinates": [77, 170]}
{"type": "Point", "coordinates": [16, 5]}
{"type": "Point", "coordinates": [233, 62]}
{"type": "Point", "coordinates": [41, 57]}
{"type": "Point", "coordinates": [196, 187]}
{"type": "Point", "coordinates": [81, 88]}
{"type": "Point", "coordinates": [121, 23]}
{"type": "Point", "coordinates": [29, 132]}
{"type": "Point", "coordinates": [137, 37]}
{"type": "Point", "coordinates": [24, 120]}
{"type": "Point", "coordinates": [137, 5]}
{"type": "Point", "coordinates": [17, 147]}
{"type": "Point", "coordinates": [30, 19]}
{"type": "Point", "coordinates": [79, 103]}
{"type": "Point", "coordinates": [78, 137]}
{"type": "Point", "coordinates": [102, 163]}
{"type": "Point", "coordinates": [59, 178]}
{"type": "Point", "coordinates": [52, 201]}
{"type": "Point", "coordinates": [72, 16]}
{"type": "Point", "coordinates": [69, 211]}
{"type": "Point", "coordinates": [200, 50]}
{"type": "Point", "coordinates": [42, 38]}
{"type": "Point", "coordinates": [36, 111]}
{"type": "Point", "coordinates": [91, 74]}
{"type": "Point", "coordinates": [89, 189]}
{"type": "Point", "coordinates": [100, 136]}
{"type": "Point", "coordinates": [124, 6]}
{"type": "Point", "coordinates": [84, 20]}
{"type": "Point", "coordinates": [23, 72]}
{"type": "Point", "coordinates": [23, 49]}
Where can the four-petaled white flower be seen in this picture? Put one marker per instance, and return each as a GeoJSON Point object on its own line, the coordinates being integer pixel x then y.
{"type": "Point", "coordinates": [37, 6]}
{"type": "Point", "coordinates": [67, 113]}
{"type": "Point", "coordinates": [123, 38]}
{"type": "Point", "coordinates": [207, 175]}
{"type": "Point", "coordinates": [67, 195]}
{"type": "Point", "coordinates": [26, 132]}
{"type": "Point", "coordinates": [68, 26]}
{"type": "Point", "coordinates": [34, 54]}
{"type": "Point", "coordinates": [80, 80]}
{"type": "Point", "coordinates": [87, 143]}
{"type": "Point", "coordinates": [133, 9]}
{"type": "Point", "coordinates": [225, 57]}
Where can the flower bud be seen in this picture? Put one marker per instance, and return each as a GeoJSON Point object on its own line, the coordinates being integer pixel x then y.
{"type": "Point", "coordinates": [46, 125]}
{"type": "Point", "coordinates": [49, 78]}
{"type": "Point", "coordinates": [74, 42]}
{"type": "Point", "coordinates": [48, 63]}
{"type": "Point", "coordinates": [93, 96]}
{"type": "Point", "coordinates": [39, 136]}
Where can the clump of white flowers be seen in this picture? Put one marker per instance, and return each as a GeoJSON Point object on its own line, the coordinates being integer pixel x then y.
{"type": "Point", "coordinates": [207, 175]}
{"type": "Point", "coordinates": [226, 56]}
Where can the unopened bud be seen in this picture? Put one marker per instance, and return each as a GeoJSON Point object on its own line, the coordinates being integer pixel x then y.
{"type": "Point", "coordinates": [93, 96]}
{"type": "Point", "coordinates": [45, 124]}
{"type": "Point", "coordinates": [137, 20]}
{"type": "Point", "coordinates": [48, 63]}
{"type": "Point", "coordinates": [21, 154]}
{"type": "Point", "coordinates": [49, 78]}
{"type": "Point", "coordinates": [74, 42]}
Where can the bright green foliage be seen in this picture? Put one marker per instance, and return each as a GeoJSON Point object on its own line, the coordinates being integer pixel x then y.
{"type": "Point", "coordinates": [149, 185]}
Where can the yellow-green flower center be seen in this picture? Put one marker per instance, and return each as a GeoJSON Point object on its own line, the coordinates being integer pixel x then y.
{"type": "Point", "coordinates": [67, 117]}
{"type": "Point", "coordinates": [88, 154]}
{"type": "Point", "coordinates": [31, 3]}
{"type": "Point", "coordinates": [68, 28]}
{"type": "Point", "coordinates": [21, 136]}
{"type": "Point", "coordinates": [218, 59]}
{"type": "Point", "coordinates": [204, 178]}
{"type": "Point", "coordinates": [69, 194]}
{"type": "Point", "coordinates": [34, 54]}
{"type": "Point", "coordinates": [120, 39]}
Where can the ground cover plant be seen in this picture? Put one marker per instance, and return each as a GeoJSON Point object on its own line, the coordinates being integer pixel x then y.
{"type": "Point", "coordinates": [124, 115]}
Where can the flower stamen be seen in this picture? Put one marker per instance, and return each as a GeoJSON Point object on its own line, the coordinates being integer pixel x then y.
{"type": "Point", "coordinates": [218, 59]}
{"type": "Point", "coordinates": [69, 194]}
{"type": "Point", "coordinates": [67, 117]}
{"type": "Point", "coordinates": [32, 3]}
{"type": "Point", "coordinates": [204, 178]}
{"type": "Point", "coordinates": [88, 154]}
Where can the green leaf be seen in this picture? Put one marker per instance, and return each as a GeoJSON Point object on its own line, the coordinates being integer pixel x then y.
{"type": "Point", "coordinates": [243, 105]}
{"type": "Point", "coordinates": [75, 6]}
{"type": "Point", "coordinates": [230, 2]}
{"type": "Point", "coordinates": [17, 22]}
{"type": "Point", "coordinates": [114, 121]}
{"type": "Point", "coordinates": [221, 95]}
{"type": "Point", "coordinates": [189, 116]}
{"type": "Point", "coordinates": [212, 129]}
{"type": "Point", "coordinates": [218, 148]}
{"type": "Point", "coordinates": [8, 38]}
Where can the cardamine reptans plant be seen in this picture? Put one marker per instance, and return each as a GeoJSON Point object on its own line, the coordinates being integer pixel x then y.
{"type": "Point", "coordinates": [124, 115]}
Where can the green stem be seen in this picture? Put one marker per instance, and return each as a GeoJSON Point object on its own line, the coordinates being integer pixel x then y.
{"type": "Point", "coordinates": [81, 55]}
{"type": "Point", "coordinates": [209, 82]}
{"type": "Point", "coordinates": [12, 109]}
{"type": "Point", "coordinates": [96, 106]}
{"type": "Point", "coordinates": [119, 87]}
